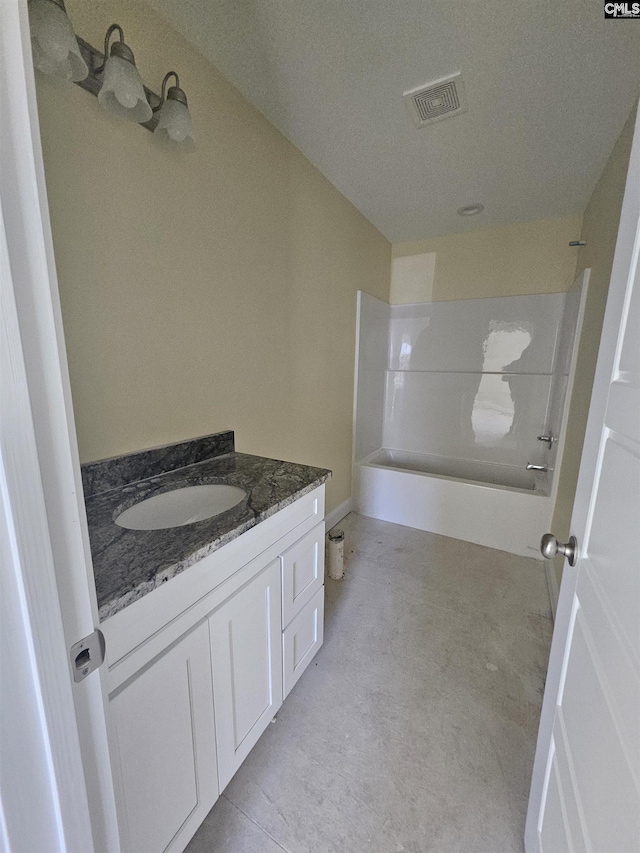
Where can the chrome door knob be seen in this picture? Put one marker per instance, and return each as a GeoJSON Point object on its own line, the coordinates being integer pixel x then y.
{"type": "Point", "coordinates": [549, 547]}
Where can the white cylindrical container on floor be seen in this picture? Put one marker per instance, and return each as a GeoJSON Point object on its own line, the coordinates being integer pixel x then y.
{"type": "Point", "coordinates": [335, 554]}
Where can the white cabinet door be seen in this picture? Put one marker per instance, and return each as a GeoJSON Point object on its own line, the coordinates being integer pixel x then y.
{"type": "Point", "coordinates": [246, 643]}
{"type": "Point", "coordinates": [165, 752]}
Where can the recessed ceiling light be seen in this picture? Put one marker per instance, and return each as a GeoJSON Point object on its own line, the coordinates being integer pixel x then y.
{"type": "Point", "coordinates": [470, 209]}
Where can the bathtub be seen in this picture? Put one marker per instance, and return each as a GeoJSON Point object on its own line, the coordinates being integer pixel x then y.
{"type": "Point", "coordinates": [500, 506]}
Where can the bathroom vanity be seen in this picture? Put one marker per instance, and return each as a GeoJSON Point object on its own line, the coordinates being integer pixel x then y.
{"type": "Point", "coordinates": [208, 626]}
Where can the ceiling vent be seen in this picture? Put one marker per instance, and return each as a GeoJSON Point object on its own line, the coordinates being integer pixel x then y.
{"type": "Point", "coordinates": [437, 100]}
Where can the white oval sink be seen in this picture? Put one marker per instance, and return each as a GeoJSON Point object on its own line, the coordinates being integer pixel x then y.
{"type": "Point", "coordinates": [180, 507]}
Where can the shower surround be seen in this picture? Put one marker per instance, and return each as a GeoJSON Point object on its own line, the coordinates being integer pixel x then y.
{"type": "Point", "coordinates": [450, 399]}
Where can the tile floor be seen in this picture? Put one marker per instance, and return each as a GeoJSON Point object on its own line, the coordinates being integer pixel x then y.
{"type": "Point", "coordinates": [414, 728]}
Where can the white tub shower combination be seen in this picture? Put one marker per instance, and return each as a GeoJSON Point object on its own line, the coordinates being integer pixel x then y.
{"type": "Point", "coordinates": [450, 400]}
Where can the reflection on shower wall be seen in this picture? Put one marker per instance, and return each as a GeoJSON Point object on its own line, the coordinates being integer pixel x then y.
{"type": "Point", "coordinates": [470, 379]}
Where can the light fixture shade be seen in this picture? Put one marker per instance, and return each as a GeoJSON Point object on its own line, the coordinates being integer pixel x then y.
{"type": "Point", "coordinates": [53, 42]}
{"type": "Point", "coordinates": [174, 128]}
{"type": "Point", "coordinates": [122, 92]}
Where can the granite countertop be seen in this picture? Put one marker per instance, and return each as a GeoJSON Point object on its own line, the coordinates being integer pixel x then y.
{"type": "Point", "coordinates": [128, 564]}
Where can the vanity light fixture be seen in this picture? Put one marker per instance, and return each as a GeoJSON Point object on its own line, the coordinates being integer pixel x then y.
{"type": "Point", "coordinates": [112, 76]}
{"type": "Point", "coordinates": [122, 92]}
{"type": "Point", "coordinates": [53, 41]}
{"type": "Point", "coordinates": [174, 128]}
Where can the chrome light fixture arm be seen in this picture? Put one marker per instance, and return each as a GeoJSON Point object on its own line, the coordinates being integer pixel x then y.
{"type": "Point", "coordinates": [174, 92]}
{"type": "Point", "coordinates": [119, 48]}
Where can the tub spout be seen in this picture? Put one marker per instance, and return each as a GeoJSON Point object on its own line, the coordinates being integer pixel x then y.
{"type": "Point", "coordinates": [532, 467]}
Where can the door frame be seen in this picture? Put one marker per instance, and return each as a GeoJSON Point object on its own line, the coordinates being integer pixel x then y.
{"type": "Point", "coordinates": [41, 488]}
{"type": "Point", "coordinates": [626, 253]}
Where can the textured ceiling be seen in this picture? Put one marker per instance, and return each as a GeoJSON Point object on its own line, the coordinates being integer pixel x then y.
{"type": "Point", "coordinates": [549, 84]}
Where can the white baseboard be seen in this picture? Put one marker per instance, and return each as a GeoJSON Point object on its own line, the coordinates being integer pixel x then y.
{"type": "Point", "coordinates": [552, 586]}
{"type": "Point", "coordinates": [337, 514]}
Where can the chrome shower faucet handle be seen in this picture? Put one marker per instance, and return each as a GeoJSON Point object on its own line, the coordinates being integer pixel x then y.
{"type": "Point", "coordinates": [548, 438]}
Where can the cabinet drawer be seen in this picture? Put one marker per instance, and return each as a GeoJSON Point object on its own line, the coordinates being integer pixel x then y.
{"type": "Point", "coordinates": [302, 572]}
{"type": "Point", "coordinates": [302, 639]}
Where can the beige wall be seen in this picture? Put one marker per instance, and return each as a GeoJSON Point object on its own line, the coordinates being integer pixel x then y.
{"type": "Point", "coordinates": [599, 231]}
{"type": "Point", "coordinates": [207, 291]}
{"type": "Point", "coordinates": [522, 258]}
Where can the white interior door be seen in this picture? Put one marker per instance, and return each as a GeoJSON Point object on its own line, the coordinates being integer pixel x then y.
{"type": "Point", "coordinates": [44, 411]}
{"type": "Point", "coordinates": [585, 793]}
